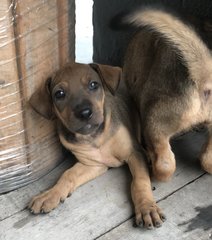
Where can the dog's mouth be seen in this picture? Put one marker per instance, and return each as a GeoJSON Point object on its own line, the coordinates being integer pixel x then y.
{"type": "Point", "coordinates": [90, 128]}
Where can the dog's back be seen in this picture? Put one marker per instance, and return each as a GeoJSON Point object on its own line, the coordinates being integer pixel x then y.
{"type": "Point", "coordinates": [165, 58]}
{"type": "Point", "coordinates": [168, 70]}
{"type": "Point", "coordinates": [184, 40]}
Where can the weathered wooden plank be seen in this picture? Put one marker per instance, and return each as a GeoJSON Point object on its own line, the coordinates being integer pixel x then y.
{"type": "Point", "coordinates": [34, 42]}
{"type": "Point", "coordinates": [189, 213]}
{"type": "Point", "coordinates": [91, 211]}
{"type": "Point", "coordinates": [38, 57]}
{"type": "Point", "coordinates": [66, 12]}
{"type": "Point", "coordinates": [11, 122]}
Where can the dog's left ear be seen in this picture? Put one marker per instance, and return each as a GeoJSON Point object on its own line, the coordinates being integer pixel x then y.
{"type": "Point", "coordinates": [41, 101]}
{"type": "Point", "coordinates": [109, 75]}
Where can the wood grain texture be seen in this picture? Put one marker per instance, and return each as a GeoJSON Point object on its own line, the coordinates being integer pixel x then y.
{"type": "Point", "coordinates": [11, 122]}
{"type": "Point", "coordinates": [66, 23]}
{"type": "Point", "coordinates": [34, 42]}
{"type": "Point", "coordinates": [189, 213]}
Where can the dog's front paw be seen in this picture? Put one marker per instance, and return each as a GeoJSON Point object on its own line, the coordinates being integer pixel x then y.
{"type": "Point", "coordinates": [46, 201]}
{"type": "Point", "coordinates": [149, 215]}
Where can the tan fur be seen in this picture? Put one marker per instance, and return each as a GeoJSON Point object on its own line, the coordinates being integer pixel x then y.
{"type": "Point", "coordinates": [173, 94]}
{"type": "Point", "coordinates": [190, 47]}
{"type": "Point", "coordinates": [98, 149]}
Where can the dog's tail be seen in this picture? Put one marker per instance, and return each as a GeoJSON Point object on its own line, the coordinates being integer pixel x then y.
{"type": "Point", "coordinates": [189, 46]}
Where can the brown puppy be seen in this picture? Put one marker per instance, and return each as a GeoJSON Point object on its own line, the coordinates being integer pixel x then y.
{"type": "Point", "coordinates": [168, 70]}
{"type": "Point", "coordinates": [94, 118]}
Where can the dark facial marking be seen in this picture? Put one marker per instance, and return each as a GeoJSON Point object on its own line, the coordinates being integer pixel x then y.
{"type": "Point", "coordinates": [69, 136]}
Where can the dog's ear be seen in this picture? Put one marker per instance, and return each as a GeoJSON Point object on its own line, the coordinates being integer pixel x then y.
{"type": "Point", "coordinates": [41, 100]}
{"type": "Point", "coordinates": [109, 75]}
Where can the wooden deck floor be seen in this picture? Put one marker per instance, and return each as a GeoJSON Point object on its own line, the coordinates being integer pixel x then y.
{"type": "Point", "coordinates": [102, 209]}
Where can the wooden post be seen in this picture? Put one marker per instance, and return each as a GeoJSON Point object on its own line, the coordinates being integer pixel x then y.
{"type": "Point", "coordinates": [38, 44]}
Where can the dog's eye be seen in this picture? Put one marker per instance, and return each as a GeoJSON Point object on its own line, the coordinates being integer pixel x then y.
{"type": "Point", "coordinates": [93, 85]}
{"type": "Point", "coordinates": [60, 94]}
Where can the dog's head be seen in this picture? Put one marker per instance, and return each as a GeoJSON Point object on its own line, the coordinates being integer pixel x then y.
{"type": "Point", "coordinates": [75, 95]}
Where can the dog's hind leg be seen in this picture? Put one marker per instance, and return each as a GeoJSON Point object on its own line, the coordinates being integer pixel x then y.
{"type": "Point", "coordinates": [206, 157]}
{"type": "Point", "coordinates": [158, 129]}
{"type": "Point", "coordinates": [161, 156]}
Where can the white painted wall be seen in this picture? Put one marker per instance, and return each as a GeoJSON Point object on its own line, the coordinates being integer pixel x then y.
{"type": "Point", "coordinates": [84, 31]}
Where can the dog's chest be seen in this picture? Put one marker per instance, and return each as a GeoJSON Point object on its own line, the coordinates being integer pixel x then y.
{"type": "Point", "coordinates": [113, 152]}
{"type": "Point", "coordinates": [93, 156]}
{"type": "Point", "coordinates": [89, 155]}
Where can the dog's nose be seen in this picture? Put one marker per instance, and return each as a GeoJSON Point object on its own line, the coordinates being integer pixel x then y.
{"type": "Point", "coordinates": [85, 114]}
